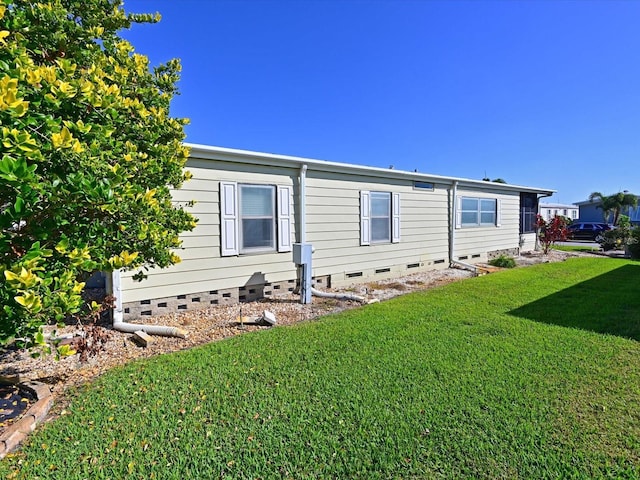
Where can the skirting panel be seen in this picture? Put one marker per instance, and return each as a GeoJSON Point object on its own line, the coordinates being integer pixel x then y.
{"type": "Point", "coordinates": [229, 296]}
{"type": "Point", "coordinates": [507, 252]}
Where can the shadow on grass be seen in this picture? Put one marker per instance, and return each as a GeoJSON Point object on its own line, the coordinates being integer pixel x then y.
{"type": "Point", "coordinates": [609, 303]}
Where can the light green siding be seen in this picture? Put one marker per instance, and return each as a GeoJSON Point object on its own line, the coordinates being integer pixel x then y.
{"type": "Point", "coordinates": [470, 241]}
{"type": "Point", "coordinates": [332, 227]}
{"type": "Point", "coordinates": [202, 268]}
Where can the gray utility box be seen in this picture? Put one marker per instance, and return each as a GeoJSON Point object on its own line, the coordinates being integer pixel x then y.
{"type": "Point", "coordinates": [302, 253]}
{"type": "Point", "coordinates": [302, 257]}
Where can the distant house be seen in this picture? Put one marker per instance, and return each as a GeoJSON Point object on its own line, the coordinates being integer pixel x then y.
{"type": "Point", "coordinates": [361, 223]}
{"type": "Point", "coordinates": [590, 211]}
{"type": "Point", "coordinates": [550, 210]}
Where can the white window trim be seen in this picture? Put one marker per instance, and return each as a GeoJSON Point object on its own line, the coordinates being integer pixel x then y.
{"type": "Point", "coordinates": [498, 212]}
{"type": "Point", "coordinates": [230, 220]}
{"type": "Point", "coordinates": [273, 218]}
{"type": "Point", "coordinates": [365, 218]}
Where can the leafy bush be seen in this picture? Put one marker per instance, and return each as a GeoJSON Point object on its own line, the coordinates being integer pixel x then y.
{"type": "Point", "coordinates": [633, 247]}
{"type": "Point", "coordinates": [88, 153]}
{"type": "Point", "coordinates": [503, 261]}
{"type": "Point", "coordinates": [619, 238]}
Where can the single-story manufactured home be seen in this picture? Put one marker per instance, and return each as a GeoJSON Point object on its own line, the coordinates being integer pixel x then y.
{"type": "Point", "coordinates": [344, 223]}
{"type": "Point", "coordinates": [550, 210]}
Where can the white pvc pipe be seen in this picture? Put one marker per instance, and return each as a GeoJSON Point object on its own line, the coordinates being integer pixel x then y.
{"type": "Point", "coordinates": [468, 266]}
{"type": "Point", "coordinates": [114, 288]}
{"type": "Point", "coordinates": [339, 296]}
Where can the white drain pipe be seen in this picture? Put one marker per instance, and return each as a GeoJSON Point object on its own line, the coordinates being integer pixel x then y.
{"type": "Point", "coordinates": [303, 206]}
{"type": "Point", "coordinates": [114, 288]}
{"type": "Point", "coordinates": [339, 296]}
{"type": "Point", "coordinates": [303, 237]}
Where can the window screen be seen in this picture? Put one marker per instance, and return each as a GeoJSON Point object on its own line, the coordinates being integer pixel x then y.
{"type": "Point", "coordinates": [257, 217]}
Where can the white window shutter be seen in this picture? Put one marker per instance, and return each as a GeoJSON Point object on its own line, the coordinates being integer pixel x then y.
{"type": "Point", "coordinates": [458, 212]}
{"type": "Point", "coordinates": [228, 219]}
{"type": "Point", "coordinates": [365, 217]}
{"type": "Point", "coordinates": [498, 213]}
{"type": "Point", "coordinates": [284, 218]}
{"type": "Point", "coordinates": [395, 218]}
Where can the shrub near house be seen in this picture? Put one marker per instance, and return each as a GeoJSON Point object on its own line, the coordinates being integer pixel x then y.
{"type": "Point", "coordinates": [555, 230]}
{"type": "Point", "coordinates": [88, 154]}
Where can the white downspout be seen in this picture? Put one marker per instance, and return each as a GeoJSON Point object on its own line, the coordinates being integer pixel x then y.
{"type": "Point", "coordinates": [452, 220]}
{"type": "Point", "coordinates": [302, 224]}
{"type": "Point", "coordinates": [114, 287]}
{"type": "Point", "coordinates": [303, 240]}
{"type": "Point", "coordinates": [303, 207]}
{"type": "Point", "coordinates": [452, 230]}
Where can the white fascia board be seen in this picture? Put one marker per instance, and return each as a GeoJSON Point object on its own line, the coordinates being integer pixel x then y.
{"type": "Point", "coordinates": [260, 158]}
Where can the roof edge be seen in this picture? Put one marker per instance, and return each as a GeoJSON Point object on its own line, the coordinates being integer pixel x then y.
{"type": "Point", "coordinates": [253, 157]}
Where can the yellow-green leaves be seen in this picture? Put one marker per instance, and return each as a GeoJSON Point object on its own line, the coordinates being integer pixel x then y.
{"type": "Point", "coordinates": [23, 280]}
{"type": "Point", "coordinates": [9, 96]}
{"type": "Point", "coordinates": [125, 259]}
{"type": "Point", "coordinates": [63, 246]}
{"type": "Point", "coordinates": [18, 141]}
{"type": "Point", "coordinates": [67, 67]}
{"type": "Point", "coordinates": [66, 351]}
{"type": "Point", "coordinates": [64, 140]}
{"type": "Point", "coordinates": [66, 90]}
{"type": "Point", "coordinates": [3, 33]}
{"type": "Point", "coordinates": [79, 255]}
{"type": "Point", "coordinates": [30, 301]}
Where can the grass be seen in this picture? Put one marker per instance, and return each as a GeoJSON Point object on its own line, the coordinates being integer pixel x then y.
{"type": "Point", "coordinates": [575, 248]}
{"type": "Point", "coordinates": [526, 373]}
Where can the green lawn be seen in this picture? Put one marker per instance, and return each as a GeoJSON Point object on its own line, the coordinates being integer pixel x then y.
{"type": "Point", "coordinates": [526, 373]}
{"type": "Point", "coordinates": [575, 248]}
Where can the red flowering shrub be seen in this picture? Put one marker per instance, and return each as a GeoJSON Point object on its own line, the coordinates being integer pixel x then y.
{"type": "Point", "coordinates": [555, 230]}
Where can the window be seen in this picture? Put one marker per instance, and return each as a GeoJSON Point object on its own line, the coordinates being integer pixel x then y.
{"type": "Point", "coordinates": [475, 212]}
{"type": "Point", "coordinates": [257, 218]}
{"type": "Point", "coordinates": [379, 217]}
{"type": "Point", "coordinates": [528, 210]}
{"type": "Point", "coordinates": [254, 218]}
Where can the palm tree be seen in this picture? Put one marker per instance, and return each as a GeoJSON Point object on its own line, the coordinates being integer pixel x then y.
{"type": "Point", "coordinates": [605, 204]}
{"type": "Point", "coordinates": [615, 203]}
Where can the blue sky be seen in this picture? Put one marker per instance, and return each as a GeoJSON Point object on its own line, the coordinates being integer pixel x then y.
{"type": "Point", "coordinates": [540, 93]}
